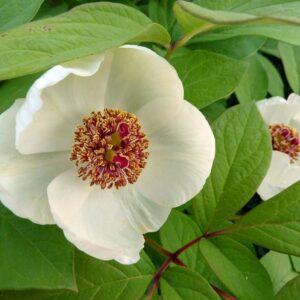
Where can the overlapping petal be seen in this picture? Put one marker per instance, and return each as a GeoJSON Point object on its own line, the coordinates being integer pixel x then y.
{"type": "Point", "coordinates": [109, 223]}
{"type": "Point", "coordinates": [24, 178]}
{"type": "Point", "coordinates": [277, 110]}
{"type": "Point", "coordinates": [134, 79]}
{"type": "Point", "coordinates": [180, 160]}
{"type": "Point", "coordinates": [283, 171]}
{"type": "Point", "coordinates": [93, 219]}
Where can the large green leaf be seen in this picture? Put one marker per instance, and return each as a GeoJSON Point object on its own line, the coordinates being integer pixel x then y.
{"type": "Point", "coordinates": [15, 88]}
{"type": "Point", "coordinates": [279, 267]}
{"type": "Point", "coordinates": [33, 256]}
{"type": "Point", "coordinates": [177, 231]}
{"type": "Point", "coordinates": [295, 262]}
{"type": "Point", "coordinates": [51, 9]}
{"type": "Point", "coordinates": [213, 111]}
{"type": "Point", "coordinates": [254, 84]}
{"type": "Point", "coordinates": [243, 152]}
{"type": "Point", "coordinates": [274, 224]}
{"type": "Point", "coordinates": [260, 78]}
{"type": "Point", "coordinates": [291, 60]}
{"type": "Point", "coordinates": [271, 47]}
{"type": "Point", "coordinates": [237, 268]}
{"type": "Point", "coordinates": [207, 76]}
{"type": "Point", "coordinates": [290, 291]}
{"type": "Point", "coordinates": [258, 11]}
{"type": "Point", "coordinates": [286, 33]}
{"type": "Point", "coordinates": [84, 30]}
{"type": "Point", "coordinates": [184, 284]}
{"type": "Point", "coordinates": [237, 47]}
{"type": "Point", "coordinates": [98, 280]}
{"type": "Point", "coordinates": [245, 5]}
{"type": "Point", "coordinates": [17, 12]}
{"type": "Point", "coordinates": [228, 19]}
{"type": "Point", "coordinates": [275, 83]}
{"type": "Point", "coordinates": [161, 12]}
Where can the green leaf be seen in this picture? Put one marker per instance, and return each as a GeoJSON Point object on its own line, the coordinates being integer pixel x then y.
{"type": "Point", "coordinates": [183, 284]}
{"type": "Point", "coordinates": [33, 256]}
{"type": "Point", "coordinates": [279, 268]}
{"type": "Point", "coordinates": [278, 20]}
{"type": "Point", "coordinates": [177, 231]}
{"type": "Point", "coordinates": [291, 61]}
{"type": "Point", "coordinates": [275, 83]}
{"type": "Point", "coordinates": [262, 11]}
{"type": "Point", "coordinates": [84, 30]}
{"type": "Point", "coordinates": [213, 111]}
{"type": "Point", "coordinates": [274, 224]}
{"type": "Point", "coordinates": [237, 47]}
{"type": "Point", "coordinates": [51, 9]}
{"type": "Point", "coordinates": [295, 262]}
{"type": "Point", "coordinates": [17, 12]}
{"type": "Point", "coordinates": [161, 12]}
{"type": "Point", "coordinates": [290, 291]}
{"type": "Point", "coordinates": [285, 33]}
{"type": "Point", "coordinates": [243, 152]}
{"type": "Point", "coordinates": [15, 88]}
{"type": "Point", "coordinates": [237, 268]}
{"type": "Point", "coordinates": [98, 280]}
{"type": "Point", "coordinates": [254, 84]}
{"type": "Point", "coordinates": [208, 77]}
{"type": "Point", "coordinates": [271, 47]}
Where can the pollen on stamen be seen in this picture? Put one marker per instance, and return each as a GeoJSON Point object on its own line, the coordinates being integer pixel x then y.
{"type": "Point", "coordinates": [110, 148]}
{"type": "Point", "coordinates": [285, 139]}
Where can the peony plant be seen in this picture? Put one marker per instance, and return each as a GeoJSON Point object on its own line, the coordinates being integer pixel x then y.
{"type": "Point", "coordinates": [139, 140]}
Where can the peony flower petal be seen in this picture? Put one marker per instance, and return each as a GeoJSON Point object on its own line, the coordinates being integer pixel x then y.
{"type": "Point", "coordinates": [143, 83]}
{"type": "Point", "coordinates": [267, 191]}
{"type": "Point", "coordinates": [281, 174]}
{"type": "Point", "coordinates": [293, 99]}
{"type": "Point", "coordinates": [277, 110]}
{"type": "Point", "coordinates": [24, 178]}
{"type": "Point", "coordinates": [131, 78]}
{"type": "Point", "coordinates": [93, 219]}
{"type": "Point", "coordinates": [143, 214]}
{"type": "Point", "coordinates": [180, 160]}
{"type": "Point", "coordinates": [56, 103]}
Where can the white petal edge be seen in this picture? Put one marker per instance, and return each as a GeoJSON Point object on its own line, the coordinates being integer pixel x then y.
{"type": "Point", "coordinates": [294, 99]}
{"type": "Point", "coordinates": [277, 110]}
{"type": "Point", "coordinates": [180, 159]}
{"type": "Point", "coordinates": [143, 214]}
{"type": "Point", "coordinates": [93, 219]}
{"type": "Point", "coordinates": [24, 178]}
{"type": "Point", "coordinates": [55, 105]}
{"type": "Point", "coordinates": [280, 175]}
{"type": "Point", "coordinates": [131, 78]}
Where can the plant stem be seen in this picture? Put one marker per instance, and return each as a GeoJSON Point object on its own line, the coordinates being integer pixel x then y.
{"type": "Point", "coordinates": [173, 258]}
{"type": "Point", "coordinates": [162, 251]}
{"type": "Point", "coordinates": [181, 42]}
{"type": "Point", "coordinates": [157, 247]}
{"type": "Point", "coordinates": [223, 294]}
{"type": "Point", "coordinates": [157, 276]}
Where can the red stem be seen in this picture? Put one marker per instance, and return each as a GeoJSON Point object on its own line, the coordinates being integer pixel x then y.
{"type": "Point", "coordinates": [223, 294]}
{"type": "Point", "coordinates": [173, 257]}
{"type": "Point", "coordinates": [162, 251]}
{"type": "Point", "coordinates": [157, 276]}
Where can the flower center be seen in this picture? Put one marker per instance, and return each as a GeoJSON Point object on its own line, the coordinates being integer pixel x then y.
{"type": "Point", "coordinates": [110, 148]}
{"type": "Point", "coordinates": [285, 139]}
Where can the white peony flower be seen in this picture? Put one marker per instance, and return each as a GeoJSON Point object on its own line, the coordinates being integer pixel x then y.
{"type": "Point", "coordinates": [283, 118]}
{"type": "Point", "coordinates": [104, 147]}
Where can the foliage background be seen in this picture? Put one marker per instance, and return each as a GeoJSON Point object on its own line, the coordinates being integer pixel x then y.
{"type": "Point", "coordinates": [228, 53]}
